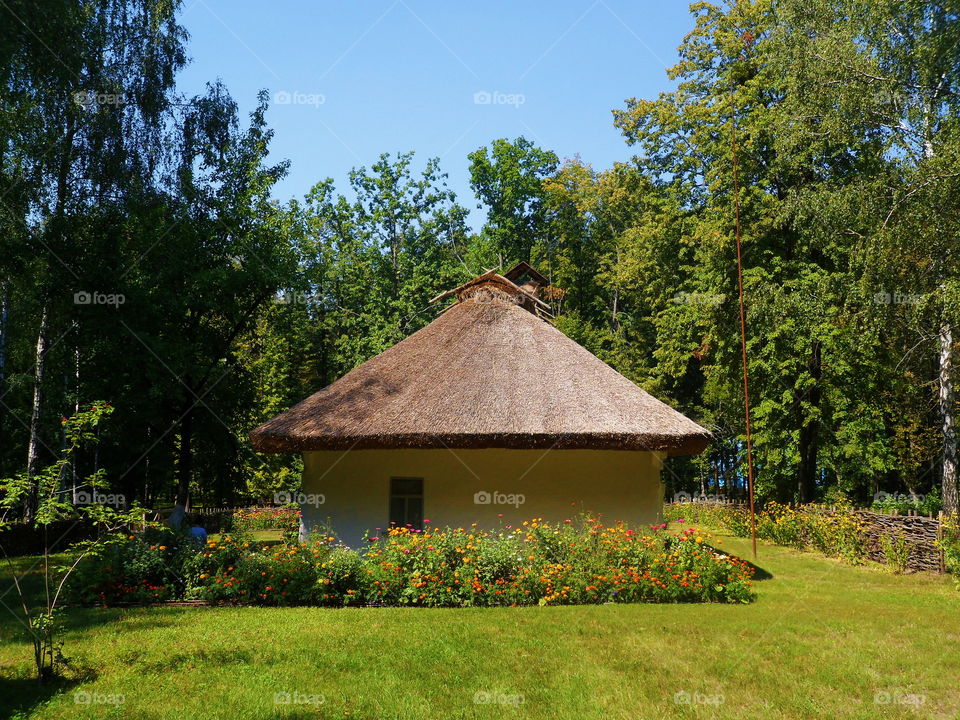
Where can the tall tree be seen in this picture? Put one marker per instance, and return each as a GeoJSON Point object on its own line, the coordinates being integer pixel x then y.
{"type": "Point", "coordinates": [881, 79]}
{"type": "Point", "coordinates": [88, 117]}
{"type": "Point", "coordinates": [508, 179]}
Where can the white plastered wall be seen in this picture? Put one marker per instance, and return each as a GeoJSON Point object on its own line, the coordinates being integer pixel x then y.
{"type": "Point", "coordinates": [354, 487]}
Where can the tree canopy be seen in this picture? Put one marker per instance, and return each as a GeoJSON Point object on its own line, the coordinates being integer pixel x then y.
{"type": "Point", "coordinates": [145, 259]}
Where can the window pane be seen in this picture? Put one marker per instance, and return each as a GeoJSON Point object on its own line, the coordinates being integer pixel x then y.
{"type": "Point", "coordinates": [415, 512]}
{"type": "Point", "coordinates": [406, 486]}
{"type": "Point", "coordinates": [398, 510]}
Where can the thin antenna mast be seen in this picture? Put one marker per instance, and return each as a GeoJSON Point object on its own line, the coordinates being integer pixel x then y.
{"type": "Point", "coordinates": [743, 317]}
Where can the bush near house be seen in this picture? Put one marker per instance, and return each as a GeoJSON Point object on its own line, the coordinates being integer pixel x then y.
{"type": "Point", "coordinates": [536, 563]}
{"type": "Point", "coordinates": [147, 567]}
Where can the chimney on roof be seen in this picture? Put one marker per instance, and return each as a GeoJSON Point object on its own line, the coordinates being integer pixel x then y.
{"type": "Point", "coordinates": [521, 285]}
{"type": "Point", "coordinates": [525, 277]}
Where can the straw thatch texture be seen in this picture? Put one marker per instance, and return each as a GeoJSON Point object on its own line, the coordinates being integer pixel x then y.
{"type": "Point", "coordinates": [486, 373]}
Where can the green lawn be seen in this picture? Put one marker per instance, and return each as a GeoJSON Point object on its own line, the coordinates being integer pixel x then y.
{"type": "Point", "coordinates": [822, 640]}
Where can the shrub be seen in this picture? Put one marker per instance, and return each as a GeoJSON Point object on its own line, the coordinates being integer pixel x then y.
{"type": "Point", "coordinates": [344, 579]}
{"type": "Point", "coordinates": [950, 543]}
{"type": "Point", "coordinates": [235, 570]}
{"type": "Point", "coordinates": [143, 568]}
{"type": "Point", "coordinates": [896, 551]}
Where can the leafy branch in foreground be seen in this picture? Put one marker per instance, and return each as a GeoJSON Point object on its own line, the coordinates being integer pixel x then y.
{"type": "Point", "coordinates": [55, 502]}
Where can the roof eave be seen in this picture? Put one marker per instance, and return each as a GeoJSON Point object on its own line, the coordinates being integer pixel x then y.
{"type": "Point", "coordinates": [674, 445]}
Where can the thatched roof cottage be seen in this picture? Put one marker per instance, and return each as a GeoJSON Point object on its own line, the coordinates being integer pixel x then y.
{"type": "Point", "coordinates": [489, 414]}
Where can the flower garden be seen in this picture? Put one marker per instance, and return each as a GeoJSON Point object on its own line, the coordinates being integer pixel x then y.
{"type": "Point", "coordinates": [266, 518]}
{"type": "Point", "coordinates": [836, 533]}
{"type": "Point", "coordinates": [537, 563]}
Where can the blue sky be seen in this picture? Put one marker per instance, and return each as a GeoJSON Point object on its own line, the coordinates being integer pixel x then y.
{"type": "Point", "coordinates": [351, 80]}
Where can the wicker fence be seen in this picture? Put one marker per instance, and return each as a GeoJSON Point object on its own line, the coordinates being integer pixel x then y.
{"type": "Point", "coordinates": [922, 534]}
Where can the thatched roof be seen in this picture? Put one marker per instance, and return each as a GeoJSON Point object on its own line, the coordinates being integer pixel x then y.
{"type": "Point", "coordinates": [485, 374]}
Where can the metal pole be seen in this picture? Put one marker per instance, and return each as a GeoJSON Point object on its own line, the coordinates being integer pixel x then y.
{"type": "Point", "coordinates": [743, 342]}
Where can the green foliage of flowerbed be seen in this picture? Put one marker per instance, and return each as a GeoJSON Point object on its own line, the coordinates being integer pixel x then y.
{"type": "Point", "coordinates": [142, 568]}
{"type": "Point", "coordinates": [537, 563]}
{"type": "Point", "coordinates": [837, 533]}
{"type": "Point", "coordinates": [282, 518]}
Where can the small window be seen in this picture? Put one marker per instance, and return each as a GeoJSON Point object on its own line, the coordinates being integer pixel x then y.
{"type": "Point", "coordinates": [406, 502]}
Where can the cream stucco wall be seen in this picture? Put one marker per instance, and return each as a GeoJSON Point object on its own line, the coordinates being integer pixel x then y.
{"type": "Point", "coordinates": [349, 491]}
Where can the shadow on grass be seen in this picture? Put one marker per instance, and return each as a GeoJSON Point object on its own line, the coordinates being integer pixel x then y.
{"type": "Point", "coordinates": [79, 620]}
{"type": "Point", "coordinates": [20, 695]}
{"type": "Point", "coordinates": [758, 572]}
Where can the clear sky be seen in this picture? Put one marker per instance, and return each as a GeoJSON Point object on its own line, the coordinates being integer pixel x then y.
{"type": "Point", "coordinates": [351, 80]}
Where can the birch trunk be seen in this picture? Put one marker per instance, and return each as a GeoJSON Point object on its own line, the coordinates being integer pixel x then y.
{"type": "Point", "coordinates": [4, 310]}
{"type": "Point", "coordinates": [33, 448]}
{"type": "Point", "coordinates": [949, 419]}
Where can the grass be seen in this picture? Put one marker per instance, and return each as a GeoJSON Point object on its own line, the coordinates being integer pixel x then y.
{"type": "Point", "coordinates": [822, 640]}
